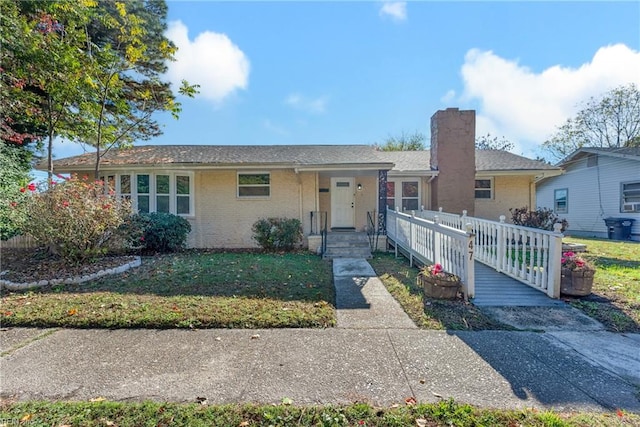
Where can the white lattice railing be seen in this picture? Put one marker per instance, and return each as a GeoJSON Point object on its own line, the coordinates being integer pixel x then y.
{"type": "Point", "coordinates": [529, 255]}
{"type": "Point", "coordinates": [430, 243]}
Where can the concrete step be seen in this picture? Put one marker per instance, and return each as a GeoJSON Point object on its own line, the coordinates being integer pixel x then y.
{"type": "Point", "coordinates": [332, 253]}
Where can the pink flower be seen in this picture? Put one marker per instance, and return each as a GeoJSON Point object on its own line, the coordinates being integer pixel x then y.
{"type": "Point", "coordinates": [436, 269]}
{"type": "Point", "coordinates": [22, 189]}
{"type": "Point", "coordinates": [569, 254]}
{"type": "Point", "coordinates": [65, 204]}
{"type": "Point", "coordinates": [563, 260]}
{"type": "Point", "coordinates": [31, 187]}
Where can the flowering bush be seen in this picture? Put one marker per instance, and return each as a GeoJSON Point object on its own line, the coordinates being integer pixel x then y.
{"type": "Point", "coordinates": [573, 262]}
{"type": "Point", "coordinates": [543, 218]}
{"type": "Point", "coordinates": [75, 219]}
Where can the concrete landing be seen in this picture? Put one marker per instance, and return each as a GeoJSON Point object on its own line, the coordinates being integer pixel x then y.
{"type": "Point", "coordinates": [362, 301]}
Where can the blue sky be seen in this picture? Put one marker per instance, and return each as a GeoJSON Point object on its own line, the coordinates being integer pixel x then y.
{"type": "Point", "coordinates": [359, 72]}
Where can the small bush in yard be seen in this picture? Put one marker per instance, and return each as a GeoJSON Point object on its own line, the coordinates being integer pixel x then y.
{"type": "Point", "coordinates": [543, 218]}
{"type": "Point", "coordinates": [277, 234]}
{"type": "Point", "coordinates": [75, 219]}
{"type": "Point", "coordinates": [157, 232]}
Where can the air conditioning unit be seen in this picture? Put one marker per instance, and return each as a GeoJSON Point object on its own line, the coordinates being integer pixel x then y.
{"type": "Point", "coordinates": [631, 207]}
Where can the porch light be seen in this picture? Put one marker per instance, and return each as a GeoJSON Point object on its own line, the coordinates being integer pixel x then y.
{"type": "Point", "coordinates": [359, 187]}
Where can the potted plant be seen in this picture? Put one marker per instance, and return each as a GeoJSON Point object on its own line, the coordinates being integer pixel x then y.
{"type": "Point", "coordinates": [577, 275]}
{"type": "Point", "coordinates": [437, 283]}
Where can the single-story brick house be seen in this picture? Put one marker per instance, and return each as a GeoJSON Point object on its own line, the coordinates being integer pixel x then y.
{"type": "Point", "coordinates": [223, 190]}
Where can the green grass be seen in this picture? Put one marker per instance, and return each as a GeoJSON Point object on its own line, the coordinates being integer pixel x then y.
{"type": "Point", "coordinates": [189, 290]}
{"type": "Point", "coordinates": [615, 300]}
{"type": "Point", "coordinates": [444, 413]}
{"type": "Point", "coordinates": [400, 280]}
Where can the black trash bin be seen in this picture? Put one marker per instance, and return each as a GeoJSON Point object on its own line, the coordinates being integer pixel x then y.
{"type": "Point", "coordinates": [619, 228]}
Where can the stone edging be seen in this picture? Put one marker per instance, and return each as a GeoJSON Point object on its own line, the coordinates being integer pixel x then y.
{"type": "Point", "coordinates": [12, 286]}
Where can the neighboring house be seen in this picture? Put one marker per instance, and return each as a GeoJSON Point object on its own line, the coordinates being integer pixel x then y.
{"type": "Point", "coordinates": [597, 183]}
{"type": "Point", "coordinates": [223, 190]}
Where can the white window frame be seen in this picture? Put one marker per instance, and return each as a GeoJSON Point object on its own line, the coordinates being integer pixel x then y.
{"type": "Point", "coordinates": [173, 190]}
{"type": "Point", "coordinates": [490, 189]}
{"type": "Point", "coordinates": [624, 198]}
{"type": "Point", "coordinates": [565, 210]}
{"type": "Point", "coordinates": [398, 197]}
{"type": "Point", "coordinates": [238, 185]}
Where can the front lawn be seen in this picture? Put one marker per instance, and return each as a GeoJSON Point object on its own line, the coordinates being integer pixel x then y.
{"type": "Point", "coordinates": [428, 313]}
{"type": "Point", "coordinates": [615, 300]}
{"type": "Point", "coordinates": [193, 289]}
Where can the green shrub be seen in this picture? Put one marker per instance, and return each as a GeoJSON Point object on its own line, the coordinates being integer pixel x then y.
{"type": "Point", "coordinates": [543, 218]}
{"type": "Point", "coordinates": [157, 232]}
{"type": "Point", "coordinates": [277, 234]}
{"type": "Point", "coordinates": [75, 219]}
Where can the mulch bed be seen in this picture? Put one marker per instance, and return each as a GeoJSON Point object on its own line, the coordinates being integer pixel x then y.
{"type": "Point", "coordinates": [32, 265]}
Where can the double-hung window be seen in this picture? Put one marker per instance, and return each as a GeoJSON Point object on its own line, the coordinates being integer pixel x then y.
{"type": "Point", "coordinates": [484, 188]}
{"type": "Point", "coordinates": [561, 200]}
{"type": "Point", "coordinates": [404, 194]}
{"type": "Point", "coordinates": [254, 184]}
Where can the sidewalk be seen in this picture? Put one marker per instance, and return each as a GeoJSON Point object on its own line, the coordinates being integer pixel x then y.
{"type": "Point", "coordinates": [379, 364]}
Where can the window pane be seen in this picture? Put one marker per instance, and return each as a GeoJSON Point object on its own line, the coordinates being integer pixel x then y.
{"type": "Point", "coordinates": [143, 204]}
{"type": "Point", "coordinates": [143, 186]}
{"type": "Point", "coordinates": [410, 189]}
{"type": "Point", "coordinates": [182, 205]}
{"type": "Point", "coordinates": [391, 189]}
{"type": "Point", "coordinates": [410, 204]}
{"type": "Point", "coordinates": [483, 183]}
{"type": "Point", "coordinates": [182, 184]}
{"type": "Point", "coordinates": [125, 184]}
{"type": "Point", "coordinates": [162, 184]}
{"type": "Point", "coordinates": [343, 184]}
{"type": "Point", "coordinates": [162, 203]}
{"type": "Point", "coordinates": [253, 191]}
{"type": "Point", "coordinates": [483, 194]}
{"type": "Point", "coordinates": [252, 179]}
{"type": "Point", "coordinates": [391, 203]}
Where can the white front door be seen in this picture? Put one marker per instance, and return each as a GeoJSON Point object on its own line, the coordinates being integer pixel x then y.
{"type": "Point", "coordinates": [342, 203]}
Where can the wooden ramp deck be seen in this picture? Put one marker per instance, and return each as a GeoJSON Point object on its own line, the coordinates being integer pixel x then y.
{"type": "Point", "coordinates": [494, 289]}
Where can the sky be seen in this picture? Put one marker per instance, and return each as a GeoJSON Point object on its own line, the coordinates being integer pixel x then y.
{"type": "Point", "coordinates": [359, 72]}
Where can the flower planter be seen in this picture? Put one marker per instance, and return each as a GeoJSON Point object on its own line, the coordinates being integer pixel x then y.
{"type": "Point", "coordinates": [442, 286]}
{"type": "Point", "coordinates": [576, 283]}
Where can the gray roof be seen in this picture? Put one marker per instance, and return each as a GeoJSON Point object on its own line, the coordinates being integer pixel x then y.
{"type": "Point", "coordinates": [632, 153]}
{"type": "Point", "coordinates": [289, 156]}
{"type": "Point", "coordinates": [486, 160]}
{"type": "Point", "coordinates": [223, 155]}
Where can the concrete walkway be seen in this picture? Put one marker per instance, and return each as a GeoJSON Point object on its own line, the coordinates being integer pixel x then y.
{"type": "Point", "coordinates": [375, 355]}
{"type": "Point", "coordinates": [362, 301]}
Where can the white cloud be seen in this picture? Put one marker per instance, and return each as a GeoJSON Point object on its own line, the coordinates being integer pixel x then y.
{"type": "Point", "coordinates": [396, 10]}
{"type": "Point", "coordinates": [210, 60]}
{"type": "Point", "coordinates": [525, 106]}
{"type": "Point", "coordinates": [310, 105]}
{"type": "Point", "coordinates": [272, 127]}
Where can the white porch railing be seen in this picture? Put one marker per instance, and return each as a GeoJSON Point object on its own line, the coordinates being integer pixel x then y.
{"type": "Point", "coordinates": [529, 255]}
{"type": "Point", "coordinates": [430, 242]}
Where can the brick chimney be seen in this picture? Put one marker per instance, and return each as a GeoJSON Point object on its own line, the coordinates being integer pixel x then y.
{"type": "Point", "coordinates": [453, 155]}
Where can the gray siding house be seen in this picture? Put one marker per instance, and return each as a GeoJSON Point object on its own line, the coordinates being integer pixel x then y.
{"type": "Point", "coordinates": [597, 183]}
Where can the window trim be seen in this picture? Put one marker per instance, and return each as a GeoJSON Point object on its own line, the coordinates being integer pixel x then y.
{"type": "Point", "coordinates": [556, 209]}
{"type": "Point", "coordinates": [622, 193]}
{"type": "Point", "coordinates": [398, 197]}
{"type": "Point", "coordinates": [238, 185]}
{"type": "Point", "coordinates": [491, 188]}
{"type": "Point", "coordinates": [152, 194]}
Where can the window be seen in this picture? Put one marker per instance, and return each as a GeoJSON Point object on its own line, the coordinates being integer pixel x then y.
{"type": "Point", "coordinates": [163, 197]}
{"type": "Point", "coordinates": [630, 192]}
{"type": "Point", "coordinates": [143, 190]}
{"type": "Point", "coordinates": [561, 200]}
{"type": "Point", "coordinates": [254, 184]}
{"type": "Point", "coordinates": [163, 192]}
{"type": "Point", "coordinates": [484, 188]}
{"type": "Point", "coordinates": [404, 194]}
